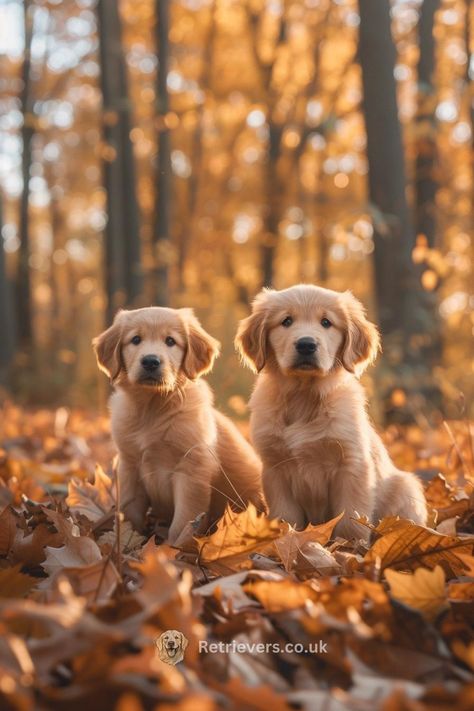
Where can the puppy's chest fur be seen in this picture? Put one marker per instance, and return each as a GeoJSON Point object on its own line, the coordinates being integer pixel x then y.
{"type": "Point", "coordinates": [308, 438]}
{"type": "Point", "coordinates": [156, 438]}
{"type": "Point", "coordinates": [309, 431]}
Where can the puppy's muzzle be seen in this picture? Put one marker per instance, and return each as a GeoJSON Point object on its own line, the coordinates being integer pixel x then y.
{"type": "Point", "coordinates": [150, 365]}
{"type": "Point", "coordinates": [306, 346]}
{"type": "Point", "coordinates": [306, 349]}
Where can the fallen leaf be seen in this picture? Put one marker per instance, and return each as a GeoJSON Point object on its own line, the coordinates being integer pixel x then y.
{"type": "Point", "coordinates": [8, 530]}
{"type": "Point", "coordinates": [13, 583]}
{"type": "Point", "coordinates": [409, 546]}
{"type": "Point", "coordinates": [92, 500]}
{"type": "Point", "coordinates": [464, 652]}
{"type": "Point", "coordinates": [424, 590]}
{"type": "Point", "coordinates": [130, 539]}
{"type": "Point", "coordinates": [78, 551]}
{"type": "Point", "coordinates": [30, 549]}
{"type": "Point", "coordinates": [313, 559]}
{"type": "Point", "coordinates": [439, 493]}
{"type": "Point", "coordinates": [237, 535]}
{"type": "Point", "coordinates": [95, 582]}
{"type": "Point", "coordinates": [280, 596]}
{"type": "Point", "coordinates": [288, 545]}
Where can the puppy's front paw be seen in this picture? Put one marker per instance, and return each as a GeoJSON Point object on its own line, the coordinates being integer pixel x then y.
{"type": "Point", "coordinates": [349, 529]}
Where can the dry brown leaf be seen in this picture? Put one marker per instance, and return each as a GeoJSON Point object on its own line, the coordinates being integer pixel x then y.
{"type": "Point", "coordinates": [8, 530]}
{"type": "Point", "coordinates": [439, 493]}
{"type": "Point", "coordinates": [77, 552]}
{"type": "Point", "coordinates": [368, 598]}
{"type": "Point", "coordinates": [95, 582]}
{"type": "Point", "coordinates": [30, 549]}
{"type": "Point", "coordinates": [6, 496]}
{"type": "Point", "coordinates": [288, 545]}
{"type": "Point", "coordinates": [92, 500]}
{"type": "Point", "coordinates": [130, 540]}
{"type": "Point", "coordinates": [409, 546]}
{"type": "Point", "coordinates": [464, 652]}
{"type": "Point", "coordinates": [461, 591]}
{"type": "Point", "coordinates": [13, 583]}
{"type": "Point", "coordinates": [424, 590]}
{"type": "Point", "coordinates": [389, 524]}
{"type": "Point", "coordinates": [238, 535]}
{"type": "Point", "coordinates": [280, 596]}
{"type": "Point", "coordinates": [260, 698]}
{"type": "Point", "coordinates": [314, 560]}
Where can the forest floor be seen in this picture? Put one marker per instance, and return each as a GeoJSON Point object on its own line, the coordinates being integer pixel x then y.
{"type": "Point", "coordinates": [83, 597]}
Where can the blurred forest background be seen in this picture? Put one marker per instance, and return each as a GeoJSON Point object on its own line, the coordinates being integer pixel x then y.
{"type": "Point", "coordinates": [188, 152]}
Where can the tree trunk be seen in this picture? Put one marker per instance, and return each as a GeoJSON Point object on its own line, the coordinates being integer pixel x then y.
{"type": "Point", "coordinates": [468, 78]}
{"type": "Point", "coordinates": [273, 187]}
{"type": "Point", "coordinates": [122, 252]}
{"type": "Point", "coordinates": [404, 315]}
{"type": "Point", "coordinates": [425, 170]}
{"type": "Point", "coordinates": [6, 320]}
{"type": "Point", "coordinates": [426, 165]}
{"type": "Point", "coordinates": [23, 285]}
{"type": "Point", "coordinates": [133, 252]}
{"type": "Point", "coordinates": [164, 178]}
{"type": "Point", "coordinates": [187, 227]}
{"type": "Point", "coordinates": [273, 206]}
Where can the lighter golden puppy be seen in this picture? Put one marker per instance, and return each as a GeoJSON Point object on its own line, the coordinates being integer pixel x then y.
{"type": "Point", "coordinates": [176, 452]}
{"type": "Point", "coordinates": [321, 455]}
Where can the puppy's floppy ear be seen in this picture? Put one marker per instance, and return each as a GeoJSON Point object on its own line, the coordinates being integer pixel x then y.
{"type": "Point", "coordinates": [362, 340]}
{"type": "Point", "coordinates": [251, 338]}
{"type": "Point", "coordinates": [183, 641]}
{"type": "Point", "coordinates": [202, 349]}
{"type": "Point", "coordinates": [160, 643]}
{"type": "Point", "coordinates": [107, 349]}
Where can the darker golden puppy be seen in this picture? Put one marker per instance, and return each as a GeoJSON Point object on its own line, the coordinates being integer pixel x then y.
{"type": "Point", "coordinates": [176, 452]}
{"type": "Point", "coordinates": [321, 455]}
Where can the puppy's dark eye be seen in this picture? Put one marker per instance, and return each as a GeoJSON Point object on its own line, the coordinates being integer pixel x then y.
{"type": "Point", "coordinates": [287, 322]}
{"type": "Point", "coordinates": [326, 323]}
{"type": "Point", "coordinates": [170, 341]}
{"type": "Point", "coordinates": [136, 340]}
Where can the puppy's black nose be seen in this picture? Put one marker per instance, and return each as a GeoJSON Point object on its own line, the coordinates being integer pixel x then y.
{"type": "Point", "coordinates": [305, 346]}
{"type": "Point", "coordinates": [150, 362]}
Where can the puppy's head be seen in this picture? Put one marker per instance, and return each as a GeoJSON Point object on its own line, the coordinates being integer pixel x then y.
{"type": "Point", "coordinates": [154, 347]}
{"type": "Point", "coordinates": [307, 331]}
{"type": "Point", "coordinates": [171, 646]}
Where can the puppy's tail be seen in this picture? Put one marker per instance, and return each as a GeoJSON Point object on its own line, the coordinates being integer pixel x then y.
{"type": "Point", "coordinates": [401, 494]}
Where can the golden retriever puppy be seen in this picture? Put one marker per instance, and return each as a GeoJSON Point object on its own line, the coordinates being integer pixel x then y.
{"type": "Point", "coordinates": [176, 452]}
{"type": "Point", "coordinates": [321, 455]}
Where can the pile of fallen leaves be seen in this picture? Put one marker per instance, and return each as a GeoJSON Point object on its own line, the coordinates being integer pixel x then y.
{"type": "Point", "coordinates": [322, 623]}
